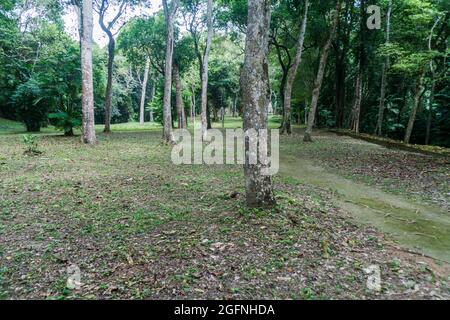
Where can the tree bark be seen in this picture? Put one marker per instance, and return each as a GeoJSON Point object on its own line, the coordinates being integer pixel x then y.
{"type": "Point", "coordinates": [340, 62]}
{"type": "Point", "coordinates": [255, 91]}
{"type": "Point", "coordinates": [320, 74]}
{"type": "Point", "coordinates": [193, 107]}
{"type": "Point", "coordinates": [385, 67]}
{"type": "Point", "coordinates": [88, 135]}
{"type": "Point", "coordinates": [204, 78]}
{"type": "Point", "coordinates": [179, 98]}
{"type": "Point", "coordinates": [433, 85]}
{"type": "Point", "coordinates": [430, 110]}
{"type": "Point", "coordinates": [143, 93]}
{"type": "Point", "coordinates": [286, 127]}
{"type": "Point", "coordinates": [108, 94]}
{"type": "Point", "coordinates": [412, 117]}
{"type": "Point", "coordinates": [356, 111]}
{"type": "Point", "coordinates": [169, 13]}
{"type": "Point", "coordinates": [153, 92]}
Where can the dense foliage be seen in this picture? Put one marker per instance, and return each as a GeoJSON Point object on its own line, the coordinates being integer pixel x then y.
{"type": "Point", "coordinates": [41, 84]}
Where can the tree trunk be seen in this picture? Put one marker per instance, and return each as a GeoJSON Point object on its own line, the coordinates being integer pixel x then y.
{"type": "Point", "coordinates": [193, 107]}
{"type": "Point", "coordinates": [169, 14]}
{"type": "Point", "coordinates": [143, 93]}
{"type": "Point", "coordinates": [286, 127]}
{"type": "Point", "coordinates": [88, 135]}
{"type": "Point", "coordinates": [356, 112]}
{"type": "Point", "coordinates": [340, 62]}
{"type": "Point", "coordinates": [433, 85]}
{"type": "Point", "coordinates": [412, 117]}
{"type": "Point", "coordinates": [152, 98]}
{"type": "Point", "coordinates": [179, 98]}
{"type": "Point", "coordinates": [320, 74]}
{"type": "Point", "coordinates": [430, 111]}
{"type": "Point", "coordinates": [255, 92]}
{"type": "Point", "coordinates": [108, 94]}
{"type": "Point", "coordinates": [378, 128]}
{"type": "Point", "coordinates": [204, 97]}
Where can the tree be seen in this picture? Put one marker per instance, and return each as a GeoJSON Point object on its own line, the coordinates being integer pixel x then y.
{"type": "Point", "coordinates": [169, 14]}
{"type": "Point", "coordinates": [255, 93]}
{"type": "Point", "coordinates": [433, 84]}
{"type": "Point", "coordinates": [204, 97]}
{"type": "Point", "coordinates": [88, 135]}
{"type": "Point", "coordinates": [102, 7]}
{"type": "Point", "coordinates": [417, 95]}
{"type": "Point", "coordinates": [341, 48]}
{"type": "Point", "coordinates": [384, 68]}
{"type": "Point", "coordinates": [192, 11]}
{"type": "Point", "coordinates": [143, 92]}
{"type": "Point", "coordinates": [320, 73]}
{"type": "Point", "coordinates": [356, 112]}
{"type": "Point", "coordinates": [286, 125]}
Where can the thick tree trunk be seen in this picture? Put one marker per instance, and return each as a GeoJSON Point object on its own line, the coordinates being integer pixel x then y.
{"type": "Point", "coordinates": [179, 98]}
{"type": "Point", "coordinates": [204, 78]}
{"type": "Point", "coordinates": [255, 92]}
{"type": "Point", "coordinates": [143, 93]}
{"type": "Point", "coordinates": [169, 14]}
{"type": "Point", "coordinates": [88, 135]}
{"type": "Point", "coordinates": [320, 74]}
{"type": "Point", "coordinates": [378, 128]}
{"type": "Point", "coordinates": [412, 117]}
{"type": "Point", "coordinates": [286, 127]}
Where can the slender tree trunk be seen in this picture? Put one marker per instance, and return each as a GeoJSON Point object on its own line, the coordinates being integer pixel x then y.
{"type": "Point", "coordinates": [169, 14]}
{"type": "Point", "coordinates": [433, 85]}
{"type": "Point", "coordinates": [153, 92]}
{"type": "Point", "coordinates": [412, 117]}
{"type": "Point", "coordinates": [430, 112]}
{"type": "Point", "coordinates": [179, 98]}
{"type": "Point", "coordinates": [356, 113]}
{"type": "Point", "coordinates": [286, 127]}
{"type": "Point", "coordinates": [340, 62]}
{"type": "Point", "coordinates": [108, 93]}
{"type": "Point", "coordinates": [320, 74]}
{"type": "Point", "coordinates": [193, 107]}
{"type": "Point", "coordinates": [234, 105]}
{"type": "Point", "coordinates": [143, 93]}
{"type": "Point", "coordinates": [255, 92]}
{"type": "Point", "coordinates": [88, 135]}
{"type": "Point", "coordinates": [204, 78]}
{"type": "Point", "coordinates": [340, 92]}
{"type": "Point", "coordinates": [378, 128]}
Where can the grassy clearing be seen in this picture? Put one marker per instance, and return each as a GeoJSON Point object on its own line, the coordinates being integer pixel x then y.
{"type": "Point", "coordinates": [139, 227]}
{"type": "Point", "coordinates": [418, 177]}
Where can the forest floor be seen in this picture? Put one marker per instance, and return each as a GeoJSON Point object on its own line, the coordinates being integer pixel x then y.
{"type": "Point", "coordinates": [139, 227]}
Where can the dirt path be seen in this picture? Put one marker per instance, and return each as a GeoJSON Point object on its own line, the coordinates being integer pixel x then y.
{"type": "Point", "coordinates": [421, 228]}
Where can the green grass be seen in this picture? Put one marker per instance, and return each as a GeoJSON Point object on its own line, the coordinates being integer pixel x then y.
{"type": "Point", "coordinates": [139, 227]}
{"type": "Point", "coordinates": [9, 126]}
